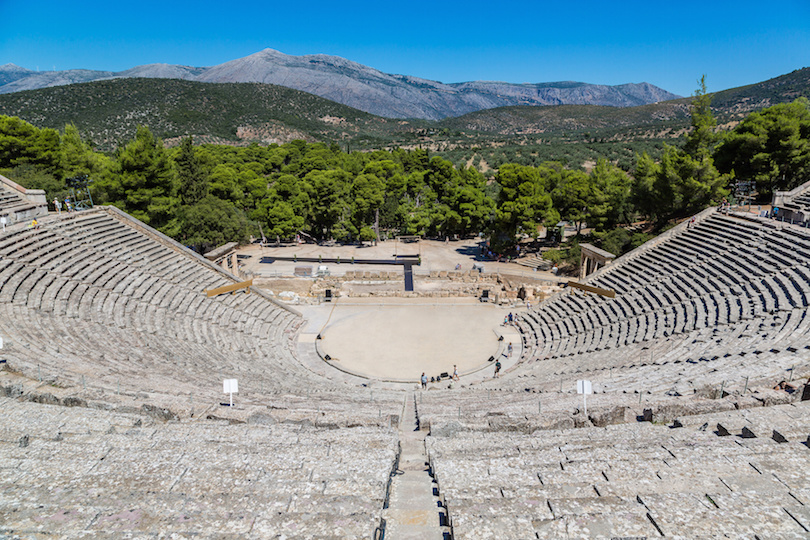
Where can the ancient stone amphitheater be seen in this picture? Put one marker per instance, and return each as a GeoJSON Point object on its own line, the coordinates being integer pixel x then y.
{"type": "Point", "coordinates": [112, 424]}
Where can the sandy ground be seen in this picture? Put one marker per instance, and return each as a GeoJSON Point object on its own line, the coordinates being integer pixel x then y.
{"type": "Point", "coordinates": [400, 338]}
{"type": "Point", "coordinates": [394, 338]}
{"type": "Point", "coordinates": [435, 255]}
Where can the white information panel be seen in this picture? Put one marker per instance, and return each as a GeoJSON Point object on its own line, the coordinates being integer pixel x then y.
{"type": "Point", "coordinates": [584, 388]}
{"type": "Point", "coordinates": [230, 387]}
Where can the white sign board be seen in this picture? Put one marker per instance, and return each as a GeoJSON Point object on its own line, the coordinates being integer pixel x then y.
{"type": "Point", "coordinates": [230, 387]}
{"type": "Point", "coordinates": [584, 388]}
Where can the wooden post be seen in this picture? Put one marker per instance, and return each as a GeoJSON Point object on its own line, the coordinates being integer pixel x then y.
{"type": "Point", "coordinates": [596, 290]}
{"type": "Point", "coordinates": [230, 288]}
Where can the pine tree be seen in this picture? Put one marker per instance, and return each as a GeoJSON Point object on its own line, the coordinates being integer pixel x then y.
{"type": "Point", "coordinates": [192, 178]}
{"type": "Point", "coordinates": [700, 142]}
{"type": "Point", "coordinates": [144, 183]}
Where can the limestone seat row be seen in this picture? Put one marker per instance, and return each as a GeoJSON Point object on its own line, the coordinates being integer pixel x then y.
{"type": "Point", "coordinates": [82, 472]}
{"type": "Point", "coordinates": [632, 479]}
{"type": "Point", "coordinates": [724, 288]}
{"type": "Point", "coordinates": [91, 299]}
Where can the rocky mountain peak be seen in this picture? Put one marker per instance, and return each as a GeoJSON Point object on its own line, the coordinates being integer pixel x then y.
{"type": "Point", "coordinates": [360, 86]}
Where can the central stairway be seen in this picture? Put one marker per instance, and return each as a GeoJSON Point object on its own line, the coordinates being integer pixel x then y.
{"type": "Point", "coordinates": [414, 508]}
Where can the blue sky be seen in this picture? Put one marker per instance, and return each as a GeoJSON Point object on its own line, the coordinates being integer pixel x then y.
{"type": "Point", "coordinates": [606, 42]}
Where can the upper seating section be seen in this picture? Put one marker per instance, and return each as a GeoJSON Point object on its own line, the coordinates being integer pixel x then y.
{"type": "Point", "coordinates": [792, 206]}
{"type": "Point", "coordinates": [19, 204]}
{"type": "Point", "coordinates": [96, 299]}
{"type": "Point", "coordinates": [9, 199]}
{"type": "Point", "coordinates": [688, 308]}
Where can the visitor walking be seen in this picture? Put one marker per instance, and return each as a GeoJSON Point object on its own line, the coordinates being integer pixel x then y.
{"type": "Point", "coordinates": [509, 350]}
{"type": "Point", "coordinates": [424, 380]}
{"type": "Point", "coordinates": [455, 373]}
{"type": "Point", "coordinates": [497, 369]}
{"type": "Point", "coordinates": [57, 206]}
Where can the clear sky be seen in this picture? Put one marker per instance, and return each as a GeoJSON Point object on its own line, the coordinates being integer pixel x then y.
{"type": "Point", "coordinates": [668, 44]}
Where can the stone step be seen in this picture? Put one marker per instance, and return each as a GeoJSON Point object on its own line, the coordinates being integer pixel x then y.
{"type": "Point", "coordinates": [414, 510]}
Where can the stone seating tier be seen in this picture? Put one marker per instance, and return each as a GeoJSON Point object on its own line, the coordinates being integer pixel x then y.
{"type": "Point", "coordinates": [86, 473]}
{"type": "Point", "coordinates": [100, 313]}
{"type": "Point", "coordinates": [722, 276]}
{"type": "Point", "coordinates": [631, 480]}
{"type": "Point", "coordinates": [90, 301]}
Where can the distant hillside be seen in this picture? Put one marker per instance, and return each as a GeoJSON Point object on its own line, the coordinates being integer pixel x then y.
{"type": "Point", "coordinates": [110, 110]}
{"type": "Point", "coordinates": [359, 86]}
{"type": "Point", "coordinates": [15, 79]}
{"type": "Point", "coordinates": [567, 118]}
{"type": "Point", "coordinates": [401, 96]}
{"type": "Point", "coordinates": [240, 113]}
{"type": "Point", "coordinates": [737, 102]}
{"type": "Point", "coordinates": [661, 118]}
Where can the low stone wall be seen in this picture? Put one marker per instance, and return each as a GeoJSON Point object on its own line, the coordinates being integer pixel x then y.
{"type": "Point", "coordinates": [504, 287]}
{"type": "Point", "coordinates": [32, 205]}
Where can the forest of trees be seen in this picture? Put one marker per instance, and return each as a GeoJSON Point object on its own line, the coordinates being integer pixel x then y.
{"type": "Point", "coordinates": [207, 195]}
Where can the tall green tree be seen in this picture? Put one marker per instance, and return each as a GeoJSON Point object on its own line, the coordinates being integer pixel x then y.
{"type": "Point", "coordinates": [611, 202]}
{"type": "Point", "coordinates": [330, 201]}
{"type": "Point", "coordinates": [368, 194]}
{"type": "Point", "coordinates": [23, 144]}
{"type": "Point", "coordinates": [144, 183]}
{"type": "Point", "coordinates": [523, 204]}
{"type": "Point", "coordinates": [192, 177]}
{"type": "Point", "coordinates": [574, 196]}
{"type": "Point", "coordinates": [686, 180]}
{"type": "Point", "coordinates": [280, 218]}
{"type": "Point", "coordinates": [770, 147]}
{"type": "Point", "coordinates": [702, 138]}
{"type": "Point", "coordinates": [471, 202]}
{"type": "Point", "coordinates": [287, 207]}
{"type": "Point", "coordinates": [77, 157]}
{"type": "Point", "coordinates": [211, 222]}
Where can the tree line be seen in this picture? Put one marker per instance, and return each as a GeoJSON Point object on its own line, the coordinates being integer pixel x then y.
{"type": "Point", "coordinates": [210, 194]}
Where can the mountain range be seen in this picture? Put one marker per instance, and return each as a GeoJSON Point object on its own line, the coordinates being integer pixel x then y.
{"type": "Point", "coordinates": [108, 112]}
{"type": "Point", "coordinates": [358, 86]}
